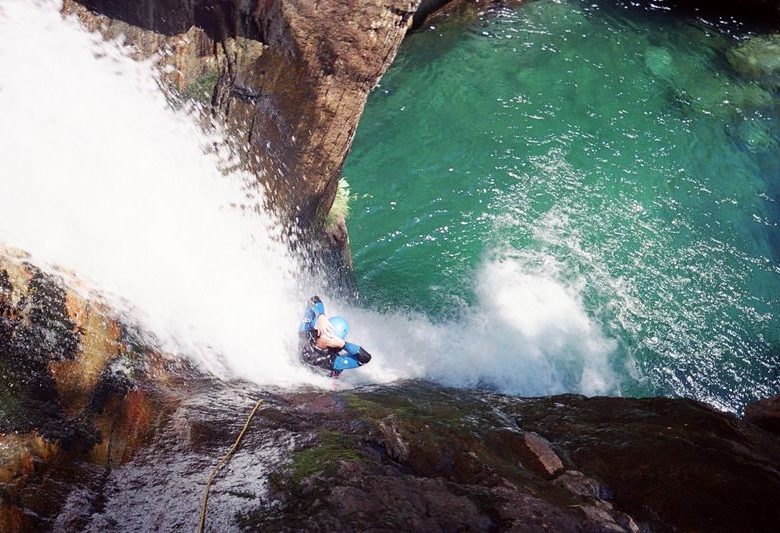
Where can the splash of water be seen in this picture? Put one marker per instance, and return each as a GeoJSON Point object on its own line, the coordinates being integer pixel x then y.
{"type": "Point", "coordinates": [528, 334]}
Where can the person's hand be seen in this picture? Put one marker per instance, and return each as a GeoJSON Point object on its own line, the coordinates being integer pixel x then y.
{"type": "Point", "coordinates": [326, 336]}
{"type": "Point", "coordinates": [322, 325]}
{"type": "Point", "coordinates": [334, 342]}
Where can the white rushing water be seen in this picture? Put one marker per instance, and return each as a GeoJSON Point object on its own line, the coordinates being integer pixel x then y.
{"type": "Point", "coordinates": [101, 177]}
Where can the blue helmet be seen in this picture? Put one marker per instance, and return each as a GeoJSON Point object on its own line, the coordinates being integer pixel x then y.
{"type": "Point", "coordinates": [340, 326]}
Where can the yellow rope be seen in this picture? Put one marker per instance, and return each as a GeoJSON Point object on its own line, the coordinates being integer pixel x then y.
{"type": "Point", "coordinates": [223, 462]}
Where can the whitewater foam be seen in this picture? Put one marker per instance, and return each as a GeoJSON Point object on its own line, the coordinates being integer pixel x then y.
{"type": "Point", "coordinates": [528, 334]}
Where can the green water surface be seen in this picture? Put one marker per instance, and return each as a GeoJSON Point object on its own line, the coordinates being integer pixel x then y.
{"type": "Point", "coordinates": [618, 143]}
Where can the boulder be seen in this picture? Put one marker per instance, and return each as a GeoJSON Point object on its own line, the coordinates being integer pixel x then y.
{"type": "Point", "coordinates": [765, 414]}
{"type": "Point", "coordinates": [551, 463]}
{"type": "Point", "coordinates": [758, 59]}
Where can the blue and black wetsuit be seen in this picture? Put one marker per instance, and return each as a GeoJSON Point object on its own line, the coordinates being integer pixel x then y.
{"type": "Point", "coordinates": [324, 358]}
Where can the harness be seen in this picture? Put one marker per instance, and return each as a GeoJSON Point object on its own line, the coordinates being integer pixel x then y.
{"type": "Point", "coordinates": [312, 355]}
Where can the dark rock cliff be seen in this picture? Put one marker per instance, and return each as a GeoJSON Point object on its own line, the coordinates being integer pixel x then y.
{"type": "Point", "coordinates": [449, 460]}
{"type": "Point", "coordinates": [289, 77]}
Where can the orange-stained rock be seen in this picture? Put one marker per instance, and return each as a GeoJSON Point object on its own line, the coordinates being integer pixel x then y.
{"type": "Point", "coordinates": [123, 424]}
{"type": "Point", "coordinates": [99, 344]}
{"type": "Point", "coordinates": [11, 518]}
{"type": "Point", "coordinates": [63, 405]}
{"type": "Point", "coordinates": [20, 454]}
{"type": "Point", "coordinates": [19, 276]}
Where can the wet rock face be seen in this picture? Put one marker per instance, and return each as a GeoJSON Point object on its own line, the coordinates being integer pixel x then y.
{"type": "Point", "coordinates": [765, 414]}
{"type": "Point", "coordinates": [33, 332]}
{"type": "Point", "coordinates": [444, 459]}
{"type": "Point", "coordinates": [290, 77]}
{"type": "Point", "coordinates": [62, 401]}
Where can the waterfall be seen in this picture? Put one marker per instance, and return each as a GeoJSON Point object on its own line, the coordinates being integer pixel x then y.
{"type": "Point", "coordinates": [103, 177]}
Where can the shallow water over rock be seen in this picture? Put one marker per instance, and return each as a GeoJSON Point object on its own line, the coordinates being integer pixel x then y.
{"type": "Point", "coordinates": [416, 456]}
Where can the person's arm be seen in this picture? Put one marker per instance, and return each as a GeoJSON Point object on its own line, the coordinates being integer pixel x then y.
{"type": "Point", "coordinates": [314, 310]}
{"type": "Point", "coordinates": [322, 325]}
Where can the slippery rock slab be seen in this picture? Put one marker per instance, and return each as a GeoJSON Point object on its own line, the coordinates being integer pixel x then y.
{"type": "Point", "coordinates": [323, 461]}
{"type": "Point", "coordinates": [548, 459]}
{"type": "Point", "coordinates": [61, 402]}
{"type": "Point", "coordinates": [410, 453]}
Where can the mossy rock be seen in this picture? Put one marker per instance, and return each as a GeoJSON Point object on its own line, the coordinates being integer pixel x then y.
{"type": "Point", "coordinates": [659, 61]}
{"type": "Point", "coordinates": [340, 208]}
{"type": "Point", "coordinates": [324, 456]}
{"type": "Point", "coordinates": [202, 88]}
{"type": "Point", "coordinates": [758, 59]}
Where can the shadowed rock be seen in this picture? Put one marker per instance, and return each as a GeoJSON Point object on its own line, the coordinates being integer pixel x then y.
{"type": "Point", "coordinates": [765, 414]}
{"type": "Point", "coordinates": [691, 468]}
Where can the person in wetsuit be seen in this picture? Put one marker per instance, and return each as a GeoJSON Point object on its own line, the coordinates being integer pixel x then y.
{"type": "Point", "coordinates": [323, 339]}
